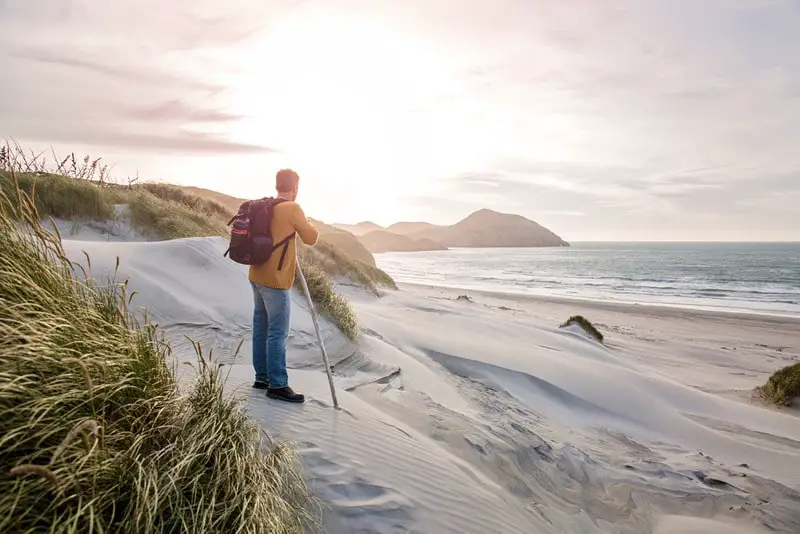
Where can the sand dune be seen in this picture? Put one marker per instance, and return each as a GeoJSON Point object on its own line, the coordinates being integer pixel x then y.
{"type": "Point", "coordinates": [485, 417]}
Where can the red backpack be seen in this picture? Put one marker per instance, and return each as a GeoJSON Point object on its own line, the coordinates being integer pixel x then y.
{"type": "Point", "coordinates": [251, 239]}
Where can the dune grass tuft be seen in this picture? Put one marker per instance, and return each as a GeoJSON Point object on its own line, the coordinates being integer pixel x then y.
{"type": "Point", "coordinates": [584, 323]}
{"type": "Point", "coordinates": [378, 275]}
{"type": "Point", "coordinates": [331, 304]}
{"type": "Point", "coordinates": [94, 434]}
{"type": "Point", "coordinates": [324, 261]}
{"type": "Point", "coordinates": [783, 386]}
{"type": "Point", "coordinates": [334, 262]}
{"type": "Point", "coordinates": [167, 219]}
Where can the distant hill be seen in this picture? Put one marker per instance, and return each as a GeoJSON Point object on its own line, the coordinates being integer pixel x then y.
{"type": "Point", "coordinates": [358, 229]}
{"type": "Point", "coordinates": [407, 228]}
{"type": "Point", "coordinates": [488, 228]}
{"type": "Point", "coordinates": [483, 228]}
{"type": "Point", "coordinates": [383, 241]}
{"type": "Point", "coordinates": [344, 241]}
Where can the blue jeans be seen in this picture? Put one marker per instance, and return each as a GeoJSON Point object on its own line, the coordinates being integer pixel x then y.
{"type": "Point", "coordinates": [271, 313]}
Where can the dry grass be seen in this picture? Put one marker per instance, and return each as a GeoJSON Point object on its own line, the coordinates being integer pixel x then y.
{"type": "Point", "coordinates": [331, 304]}
{"type": "Point", "coordinates": [783, 386]}
{"type": "Point", "coordinates": [72, 199]}
{"type": "Point", "coordinates": [94, 434]}
{"type": "Point", "coordinates": [194, 202]}
{"type": "Point", "coordinates": [161, 218]}
{"type": "Point", "coordinates": [59, 196]}
{"type": "Point", "coordinates": [323, 262]}
{"type": "Point", "coordinates": [587, 326]}
{"type": "Point", "coordinates": [335, 263]}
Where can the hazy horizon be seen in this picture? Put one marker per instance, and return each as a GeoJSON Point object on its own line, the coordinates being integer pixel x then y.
{"type": "Point", "coordinates": [657, 121]}
{"type": "Point", "coordinates": [595, 241]}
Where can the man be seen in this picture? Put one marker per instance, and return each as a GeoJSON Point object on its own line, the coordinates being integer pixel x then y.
{"type": "Point", "coordinates": [271, 282]}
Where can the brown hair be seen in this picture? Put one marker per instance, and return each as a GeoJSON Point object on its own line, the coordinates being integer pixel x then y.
{"type": "Point", "coordinates": [286, 180]}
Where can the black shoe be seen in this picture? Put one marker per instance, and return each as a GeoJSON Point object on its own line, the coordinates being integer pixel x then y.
{"type": "Point", "coordinates": [285, 394]}
{"type": "Point", "coordinates": [261, 384]}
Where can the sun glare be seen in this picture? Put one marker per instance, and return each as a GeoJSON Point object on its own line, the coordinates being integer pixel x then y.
{"type": "Point", "coordinates": [372, 114]}
{"type": "Point", "coordinates": [344, 98]}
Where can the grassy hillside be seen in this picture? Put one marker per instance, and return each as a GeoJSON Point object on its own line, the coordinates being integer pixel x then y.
{"type": "Point", "coordinates": [229, 202]}
{"type": "Point", "coordinates": [157, 211]}
{"type": "Point", "coordinates": [94, 434]}
{"type": "Point", "coordinates": [163, 211]}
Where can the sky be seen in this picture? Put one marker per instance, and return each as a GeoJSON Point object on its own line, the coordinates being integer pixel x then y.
{"type": "Point", "coordinates": [601, 120]}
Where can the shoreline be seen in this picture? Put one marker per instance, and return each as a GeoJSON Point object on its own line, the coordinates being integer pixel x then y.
{"type": "Point", "coordinates": [640, 308]}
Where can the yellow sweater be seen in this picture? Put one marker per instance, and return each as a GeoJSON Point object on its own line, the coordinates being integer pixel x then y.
{"type": "Point", "coordinates": [287, 219]}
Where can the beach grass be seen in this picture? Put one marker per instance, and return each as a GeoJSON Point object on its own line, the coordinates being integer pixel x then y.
{"type": "Point", "coordinates": [192, 201]}
{"type": "Point", "coordinates": [336, 263]}
{"type": "Point", "coordinates": [94, 433]}
{"type": "Point", "coordinates": [59, 196]}
{"type": "Point", "coordinates": [161, 218]}
{"type": "Point", "coordinates": [329, 302]}
{"type": "Point", "coordinates": [377, 275]}
{"type": "Point", "coordinates": [584, 323]}
{"type": "Point", "coordinates": [783, 386]}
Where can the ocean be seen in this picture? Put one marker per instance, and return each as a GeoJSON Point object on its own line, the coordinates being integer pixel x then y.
{"type": "Point", "coordinates": [741, 277]}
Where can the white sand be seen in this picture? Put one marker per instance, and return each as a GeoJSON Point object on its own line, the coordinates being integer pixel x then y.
{"type": "Point", "coordinates": [116, 229]}
{"type": "Point", "coordinates": [485, 417]}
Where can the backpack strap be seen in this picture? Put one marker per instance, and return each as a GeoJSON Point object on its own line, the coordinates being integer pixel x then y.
{"type": "Point", "coordinates": [285, 241]}
{"type": "Point", "coordinates": [285, 244]}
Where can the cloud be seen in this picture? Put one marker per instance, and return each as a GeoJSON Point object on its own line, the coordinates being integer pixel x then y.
{"type": "Point", "coordinates": [624, 118]}
{"type": "Point", "coordinates": [147, 25]}
{"type": "Point", "coordinates": [175, 110]}
{"type": "Point", "coordinates": [131, 73]}
{"type": "Point", "coordinates": [123, 76]}
{"type": "Point", "coordinates": [176, 141]}
{"type": "Point", "coordinates": [566, 213]}
{"type": "Point", "coordinates": [671, 198]}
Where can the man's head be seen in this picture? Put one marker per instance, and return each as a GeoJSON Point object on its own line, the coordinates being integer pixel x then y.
{"type": "Point", "coordinates": [286, 182]}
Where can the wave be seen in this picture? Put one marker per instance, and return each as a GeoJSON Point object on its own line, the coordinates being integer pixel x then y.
{"type": "Point", "coordinates": [748, 300]}
{"type": "Point", "coordinates": [745, 277]}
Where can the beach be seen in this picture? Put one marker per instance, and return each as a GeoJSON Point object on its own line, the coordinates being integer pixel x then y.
{"type": "Point", "coordinates": [749, 346]}
{"type": "Point", "coordinates": [482, 415]}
